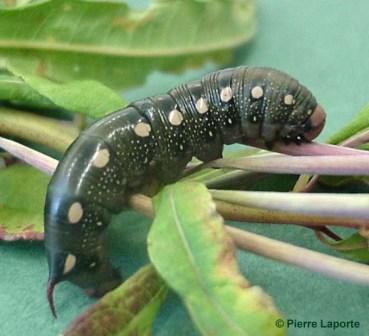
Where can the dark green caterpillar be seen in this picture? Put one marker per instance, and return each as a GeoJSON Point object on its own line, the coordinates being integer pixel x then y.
{"type": "Point", "coordinates": [111, 159]}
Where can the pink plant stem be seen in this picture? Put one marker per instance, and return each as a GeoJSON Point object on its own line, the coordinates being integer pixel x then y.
{"type": "Point", "coordinates": [277, 250]}
{"type": "Point", "coordinates": [310, 260]}
{"type": "Point", "coordinates": [352, 142]}
{"type": "Point", "coordinates": [308, 149]}
{"type": "Point", "coordinates": [282, 164]}
{"type": "Point", "coordinates": [36, 159]}
{"type": "Point", "coordinates": [328, 205]}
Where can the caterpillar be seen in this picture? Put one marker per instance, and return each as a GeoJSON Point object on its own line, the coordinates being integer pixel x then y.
{"type": "Point", "coordinates": [110, 160]}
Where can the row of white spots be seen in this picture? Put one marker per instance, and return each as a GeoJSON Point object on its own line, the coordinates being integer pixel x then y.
{"type": "Point", "coordinates": [257, 92]}
{"type": "Point", "coordinates": [175, 117]}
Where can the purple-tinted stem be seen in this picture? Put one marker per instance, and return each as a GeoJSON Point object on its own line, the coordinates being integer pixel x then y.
{"type": "Point", "coordinates": [294, 255]}
{"type": "Point", "coordinates": [326, 205]}
{"type": "Point", "coordinates": [354, 141]}
{"type": "Point", "coordinates": [283, 164]}
{"type": "Point", "coordinates": [310, 148]}
{"type": "Point", "coordinates": [36, 159]}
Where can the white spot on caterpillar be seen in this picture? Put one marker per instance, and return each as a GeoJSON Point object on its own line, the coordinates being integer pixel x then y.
{"type": "Point", "coordinates": [142, 129]}
{"type": "Point", "coordinates": [202, 106]}
{"type": "Point", "coordinates": [101, 158]}
{"type": "Point", "coordinates": [226, 94]}
{"type": "Point", "coordinates": [210, 133]}
{"type": "Point", "coordinates": [70, 262]}
{"type": "Point", "coordinates": [92, 265]}
{"type": "Point", "coordinates": [288, 99]}
{"type": "Point", "coordinates": [230, 121]}
{"type": "Point", "coordinates": [257, 92]}
{"type": "Point", "coordinates": [75, 213]}
{"type": "Point", "coordinates": [175, 117]}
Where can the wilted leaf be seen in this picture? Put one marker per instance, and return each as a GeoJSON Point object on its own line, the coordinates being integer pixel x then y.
{"type": "Point", "coordinates": [354, 247]}
{"type": "Point", "coordinates": [354, 183]}
{"type": "Point", "coordinates": [193, 253]}
{"type": "Point", "coordinates": [117, 45]}
{"type": "Point", "coordinates": [22, 197]}
{"type": "Point", "coordinates": [128, 310]}
{"type": "Point", "coordinates": [14, 89]}
{"type": "Point", "coordinates": [87, 97]}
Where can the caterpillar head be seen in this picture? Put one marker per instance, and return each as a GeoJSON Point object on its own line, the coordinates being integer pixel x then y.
{"type": "Point", "coordinates": [92, 273]}
{"type": "Point", "coordinates": [315, 123]}
{"type": "Point", "coordinates": [305, 122]}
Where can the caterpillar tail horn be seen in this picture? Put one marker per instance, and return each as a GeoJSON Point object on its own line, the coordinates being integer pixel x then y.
{"type": "Point", "coordinates": [50, 298]}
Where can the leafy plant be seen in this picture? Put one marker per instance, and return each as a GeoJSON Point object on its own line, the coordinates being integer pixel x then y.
{"type": "Point", "coordinates": [111, 42]}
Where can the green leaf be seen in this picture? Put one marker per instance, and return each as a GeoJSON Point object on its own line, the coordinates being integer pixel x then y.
{"type": "Point", "coordinates": [344, 184]}
{"type": "Point", "coordinates": [354, 247]}
{"type": "Point", "coordinates": [22, 198]}
{"type": "Point", "coordinates": [341, 181]}
{"type": "Point", "coordinates": [191, 250]}
{"type": "Point", "coordinates": [13, 89]}
{"type": "Point", "coordinates": [87, 97]}
{"type": "Point", "coordinates": [110, 42]}
{"type": "Point", "coordinates": [359, 123]}
{"type": "Point", "coordinates": [128, 310]}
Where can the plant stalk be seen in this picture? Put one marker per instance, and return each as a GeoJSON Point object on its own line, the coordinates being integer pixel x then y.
{"type": "Point", "coordinates": [323, 165]}
{"type": "Point", "coordinates": [34, 158]}
{"type": "Point", "coordinates": [313, 261]}
{"type": "Point", "coordinates": [335, 205]}
{"type": "Point", "coordinates": [288, 253]}
{"type": "Point", "coordinates": [38, 129]}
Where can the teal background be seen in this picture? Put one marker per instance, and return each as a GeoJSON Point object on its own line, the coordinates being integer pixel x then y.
{"type": "Point", "coordinates": [325, 44]}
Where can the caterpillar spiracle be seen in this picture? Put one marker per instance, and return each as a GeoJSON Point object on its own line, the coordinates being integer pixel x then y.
{"type": "Point", "coordinates": [110, 160]}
